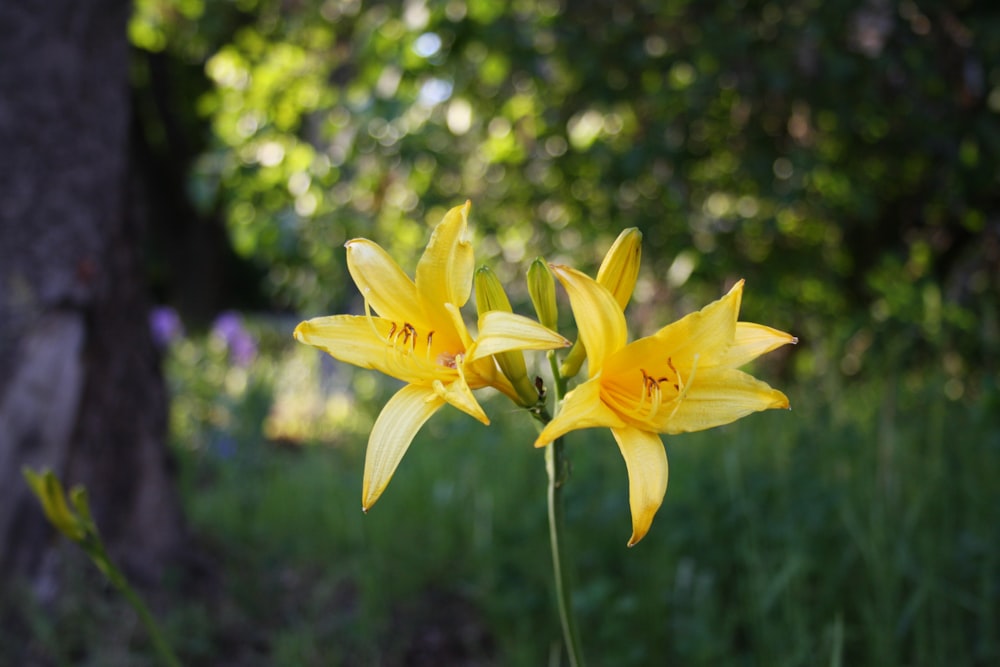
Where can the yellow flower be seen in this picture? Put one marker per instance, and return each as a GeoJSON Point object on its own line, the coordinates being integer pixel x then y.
{"type": "Point", "coordinates": [682, 378]}
{"type": "Point", "coordinates": [419, 337]}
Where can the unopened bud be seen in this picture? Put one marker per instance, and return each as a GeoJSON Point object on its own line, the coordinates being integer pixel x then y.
{"type": "Point", "coordinates": [489, 292]}
{"type": "Point", "coordinates": [620, 267]}
{"type": "Point", "coordinates": [51, 495]}
{"type": "Point", "coordinates": [542, 290]}
{"type": "Point", "coordinates": [491, 296]}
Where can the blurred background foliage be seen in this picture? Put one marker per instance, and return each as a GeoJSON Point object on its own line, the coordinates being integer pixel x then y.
{"type": "Point", "coordinates": [842, 156]}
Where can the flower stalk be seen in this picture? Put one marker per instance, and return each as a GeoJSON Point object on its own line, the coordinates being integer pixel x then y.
{"type": "Point", "coordinates": [557, 469]}
{"type": "Point", "coordinates": [556, 465]}
{"type": "Point", "coordinates": [78, 525]}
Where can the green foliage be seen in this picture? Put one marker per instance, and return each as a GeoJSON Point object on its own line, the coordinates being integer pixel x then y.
{"type": "Point", "coordinates": [841, 157]}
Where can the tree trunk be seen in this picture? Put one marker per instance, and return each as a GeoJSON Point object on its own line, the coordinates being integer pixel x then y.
{"type": "Point", "coordinates": [81, 390]}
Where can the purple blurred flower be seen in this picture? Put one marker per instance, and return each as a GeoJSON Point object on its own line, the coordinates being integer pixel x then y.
{"type": "Point", "coordinates": [242, 347]}
{"type": "Point", "coordinates": [224, 446]}
{"type": "Point", "coordinates": [165, 325]}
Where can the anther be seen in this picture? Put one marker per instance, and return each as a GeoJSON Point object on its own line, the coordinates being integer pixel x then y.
{"type": "Point", "coordinates": [645, 380]}
{"type": "Point", "coordinates": [677, 375]}
{"type": "Point", "coordinates": [409, 335]}
{"type": "Point", "coordinates": [684, 387]}
{"type": "Point", "coordinates": [651, 390]}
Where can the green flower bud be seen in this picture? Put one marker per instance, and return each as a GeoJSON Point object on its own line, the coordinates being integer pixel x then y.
{"type": "Point", "coordinates": [49, 491]}
{"type": "Point", "coordinates": [489, 292]}
{"type": "Point", "coordinates": [542, 289]}
{"type": "Point", "coordinates": [491, 296]}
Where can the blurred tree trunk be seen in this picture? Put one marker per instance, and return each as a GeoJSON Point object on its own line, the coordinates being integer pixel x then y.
{"type": "Point", "coordinates": [81, 390]}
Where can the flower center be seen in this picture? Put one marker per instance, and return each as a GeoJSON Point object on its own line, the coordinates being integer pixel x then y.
{"type": "Point", "coordinates": [652, 393]}
{"type": "Point", "coordinates": [448, 359]}
{"type": "Point", "coordinates": [405, 340]}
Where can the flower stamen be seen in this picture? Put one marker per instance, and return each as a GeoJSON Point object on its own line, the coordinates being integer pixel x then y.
{"type": "Point", "coordinates": [644, 392]}
{"type": "Point", "coordinates": [371, 323]}
{"type": "Point", "coordinates": [683, 387]}
{"type": "Point", "coordinates": [409, 335]}
{"type": "Point", "coordinates": [651, 389]}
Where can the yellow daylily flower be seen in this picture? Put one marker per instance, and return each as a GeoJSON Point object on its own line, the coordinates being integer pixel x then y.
{"type": "Point", "coordinates": [418, 336]}
{"type": "Point", "coordinates": [682, 378]}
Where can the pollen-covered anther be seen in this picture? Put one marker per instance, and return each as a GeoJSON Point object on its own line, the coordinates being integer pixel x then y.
{"type": "Point", "coordinates": [409, 335]}
{"type": "Point", "coordinates": [651, 390]}
{"type": "Point", "coordinates": [670, 363]}
{"type": "Point", "coordinates": [650, 383]}
{"type": "Point", "coordinates": [430, 338]}
{"type": "Point", "coordinates": [401, 337]}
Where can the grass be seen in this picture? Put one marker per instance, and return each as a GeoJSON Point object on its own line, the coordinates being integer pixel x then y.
{"type": "Point", "coordinates": [861, 532]}
{"type": "Point", "coordinates": [862, 528]}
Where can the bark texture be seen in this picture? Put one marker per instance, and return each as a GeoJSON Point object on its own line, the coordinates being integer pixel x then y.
{"type": "Point", "coordinates": [80, 385]}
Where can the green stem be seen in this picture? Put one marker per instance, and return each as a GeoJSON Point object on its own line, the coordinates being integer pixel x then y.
{"type": "Point", "coordinates": [152, 629]}
{"type": "Point", "coordinates": [95, 548]}
{"type": "Point", "coordinates": [556, 465]}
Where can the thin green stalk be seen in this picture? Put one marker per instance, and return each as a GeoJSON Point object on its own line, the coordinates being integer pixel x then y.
{"type": "Point", "coordinates": [118, 580]}
{"type": "Point", "coordinates": [556, 465]}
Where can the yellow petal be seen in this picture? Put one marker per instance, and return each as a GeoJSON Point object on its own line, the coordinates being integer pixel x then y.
{"type": "Point", "coordinates": [391, 436]}
{"type": "Point", "coordinates": [501, 332]}
{"type": "Point", "coordinates": [718, 396]}
{"type": "Point", "coordinates": [581, 408]}
{"type": "Point", "coordinates": [646, 462]}
{"type": "Point", "coordinates": [460, 395]}
{"type": "Point", "coordinates": [599, 318]}
{"type": "Point", "coordinates": [490, 296]}
{"type": "Point", "coordinates": [364, 342]}
{"type": "Point", "coordinates": [707, 333]}
{"type": "Point", "coordinates": [645, 353]}
{"type": "Point", "coordinates": [382, 283]}
{"type": "Point", "coordinates": [620, 267]}
{"type": "Point", "coordinates": [753, 340]}
{"type": "Point", "coordinates": [452, 327]}
{"type": "Point", "coordinates": [484, 372]}
{"type": "Point", "coordinates": [444, 273]}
